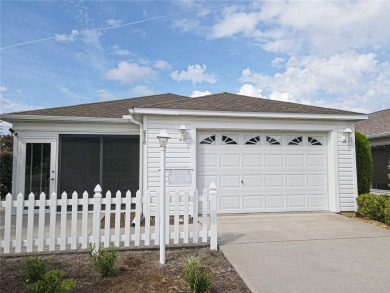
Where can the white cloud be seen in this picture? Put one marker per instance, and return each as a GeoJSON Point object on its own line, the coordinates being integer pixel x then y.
{"type": "Point", "coordinates": [249, 90]}
{"type": "Point", "coordinates": [325, 27]}
{"type": "Point", "coordinates": [162, 65]}
{"type": "Point", "coordinates": [235, 22]}
{"type": "Point", "coordinates": [92, 38]}
{"type": "Point", "coordinates": [114, 22]}
{"type": "Point", "coordinates": [105, 95]}
{"type": "Point", "coordinates": [142, 90]}
{"type": "Point", "coordinates": [130, 73]}
{"type": "Point", "coordinates": [67, 37]}
{"type": "Point", "coordinates": [277, 61]}
{"type": "Point", "coordinates": [185, 24]}
{"type": "Point", "coordinates": [195, 74]}
{"type": "Point", "coordinates": [122, 52]}
{"type": "Point", "coordinates": [196, 94]}
{"type": "Point", "coordinates": [344, 80]}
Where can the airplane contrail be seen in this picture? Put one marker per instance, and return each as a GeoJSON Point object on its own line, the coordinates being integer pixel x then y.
{"type": "Point", "coordinates": [96, 29]}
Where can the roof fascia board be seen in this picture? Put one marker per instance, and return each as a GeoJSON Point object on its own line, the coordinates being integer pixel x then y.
{"type": "Point", "coordinates": [12, 118]}
{"type": "Point", "coordinates": [156, 111]}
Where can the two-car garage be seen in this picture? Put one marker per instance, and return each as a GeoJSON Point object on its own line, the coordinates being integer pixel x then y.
{"type": "Point", "coordinates": [264, 172]}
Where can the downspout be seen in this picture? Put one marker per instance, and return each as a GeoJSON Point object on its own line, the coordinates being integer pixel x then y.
{"type": "Point", "coordinates": [141, 147]}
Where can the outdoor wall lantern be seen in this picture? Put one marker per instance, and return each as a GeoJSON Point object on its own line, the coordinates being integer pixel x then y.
{"type": "Point", "coordinates": [347, 133]}
{"type": "Point", "coordinates": [163, 138]}
{"type": "Point", "coordinates": [182, 132]}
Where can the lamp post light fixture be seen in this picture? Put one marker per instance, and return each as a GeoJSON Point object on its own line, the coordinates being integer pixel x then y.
{"type": "Point", "coordinates": [182, 132]}
{"type": "Point", "coordinates": [347, 133]}
{"type": "Point", "coordinates": [163, 138]}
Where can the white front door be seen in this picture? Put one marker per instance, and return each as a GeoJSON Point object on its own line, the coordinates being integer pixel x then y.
{"type": "Point", "coordinates": [264, 172]}
{"type": "Point", "coordinates": [37, 172]}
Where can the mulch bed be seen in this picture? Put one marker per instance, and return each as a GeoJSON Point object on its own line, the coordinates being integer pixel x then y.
{"type": "Point", "coordinates": [357, 217]}
{"type": "Point", "coordinates": [139, 271]}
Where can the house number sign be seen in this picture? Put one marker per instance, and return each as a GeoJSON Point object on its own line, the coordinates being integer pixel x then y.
{"type": "Point", "coordinates": [179, 177]}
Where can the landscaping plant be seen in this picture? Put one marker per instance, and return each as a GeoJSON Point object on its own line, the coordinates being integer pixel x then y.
{"type": "Point", "coordinates": [34, 268]}
{"type": "Point", "coordinates": [6, 147]}
{"type": "Point", "coordinates": [196, 277]}
{"type": "Point", "coordinates": [105, 260]}
{"type": "Point", "coordinates": [52, 282]}
{"type": "Point", "coordinates": [373, 206]}
{"type": "Point", "coordinates": [363, 163]}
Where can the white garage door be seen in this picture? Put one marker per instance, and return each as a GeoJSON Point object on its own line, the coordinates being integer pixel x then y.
{"type": "Point", "coordinates": [264, 172]}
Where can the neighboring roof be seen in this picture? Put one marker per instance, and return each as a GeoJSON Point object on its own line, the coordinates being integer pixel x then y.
{"type": "Point", "coordinates": [238, 103]}
{"type": "Point", "coordinates": [376, 124]}
{"type": "Point", "coordinates": [225, 102]}
{"type": "Point", "coordinates": [109, 109]}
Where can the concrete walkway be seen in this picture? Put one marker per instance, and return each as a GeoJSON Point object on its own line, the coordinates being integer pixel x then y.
{"type": "Point", "coordinates": [306, 252]}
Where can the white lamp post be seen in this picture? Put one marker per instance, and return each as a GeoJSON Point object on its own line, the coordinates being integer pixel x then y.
{"type": "Point", "coordinates": [163, 140]}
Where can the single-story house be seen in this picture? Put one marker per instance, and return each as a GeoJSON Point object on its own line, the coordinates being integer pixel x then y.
{"type": "Point", "coordinates": [264, 155]}
{"type": "Point", "coordinates": [377, 129]}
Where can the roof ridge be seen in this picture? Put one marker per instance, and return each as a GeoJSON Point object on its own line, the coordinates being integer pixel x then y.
{"type": "Point", "coordinates": [379, 111]}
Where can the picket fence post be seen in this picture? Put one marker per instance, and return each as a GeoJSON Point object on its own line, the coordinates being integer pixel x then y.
{"type": "Point", "coordinates": [213, 217]}
{"type": "Point", "coordinates": [97, 205]}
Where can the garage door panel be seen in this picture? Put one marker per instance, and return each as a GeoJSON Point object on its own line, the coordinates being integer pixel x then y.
{"type": "Point", "coordinates": [230, 181]}
{"type": "Point", "coordinates": [296, 201]}
{"type": "Point", "coordinates": [230, 203]}
{"type": "Point", "coordinates": [296, 180]}
{"type": "Point", "coordinates": [274, 201]}
{"type": "Point", "coordinates": [317, 200]}
{"type": "Point", "coordinates": [276, 180]}
{"type": "Point", "coordinates": [273, 160]}
{"type": "Point", "coordinates": [204, 181]}
{"type": "Point", "coordinates": [295, 160]}
{"type": "Point", "coordinates": [230, 160]}
{"type": "Point", "coordinates": [316, 160]}
{"type": "Point", "coordinates": [253, 181]}
{"type": "Point", "coordinates": [318, 180]}
{"type": "Point", "coordinates": [253, 202]}
{"type": "Point", "coordinates": [252, 160]}
{"type": "Point", "coordinates": [208, 160]}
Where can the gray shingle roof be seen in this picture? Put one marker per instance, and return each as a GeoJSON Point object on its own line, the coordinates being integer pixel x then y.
{"type": "Point", "coordinates": [377, 123]}
{"type": "Point", "coordinates": [239, 103]}
{"type": "Point", "coordinates": [216, 102]}
{"type": "Point", "coordinates": [109, 109]}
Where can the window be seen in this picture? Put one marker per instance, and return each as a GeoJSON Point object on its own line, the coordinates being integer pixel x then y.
{"type": "Point", "coordinates": [314, 141]}
{"type": "Point", "coordinates": [294, 140]}
{"type": "Point", "coordinates": [229, 139]}
{"type": "Point", "coordinates": [252, 140]}
{"type": "Point", "coordinates": [208, 140]}
{"type": "Point", "coordinates": [111, 161]}
{"type": "Point", "coordinates": [274, 140]}
{"type": "Point", "coordinates": [37, 172]}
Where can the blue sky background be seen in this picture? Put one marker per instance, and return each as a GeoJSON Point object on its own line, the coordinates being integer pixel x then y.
{"type": "Point", "coordinates": [326, 53]}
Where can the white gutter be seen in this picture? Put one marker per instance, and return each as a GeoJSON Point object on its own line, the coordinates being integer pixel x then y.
{"type": "Point", "coordinates": [141, 146]}
{"type": "Point", "coordinates": [14, 117]}
{"type": "Point", "coordinates": [380, 135]}
{"type": "Point", "coordinates": [156, 111]}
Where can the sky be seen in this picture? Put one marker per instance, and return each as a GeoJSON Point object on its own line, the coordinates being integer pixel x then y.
{"type": "Point", "coordinates": [325, 53]}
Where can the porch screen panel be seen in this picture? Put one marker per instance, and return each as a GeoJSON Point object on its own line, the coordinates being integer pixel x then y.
{"type": "Point", "coordinates": [80, 164]}
{"type": "Point", "coordinates": [37, 171]}
{"type": "Point", "coordinates": [121, 164]}
{"type": "Point", "coordinates": [111, 161]}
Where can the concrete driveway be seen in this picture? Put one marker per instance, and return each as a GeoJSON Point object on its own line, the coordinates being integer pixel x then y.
{"type": "Point", "coordinates": [306, 252]}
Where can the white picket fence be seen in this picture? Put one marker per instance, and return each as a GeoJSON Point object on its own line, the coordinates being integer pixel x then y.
{"type": "Point", "coordinates": [70, 228]}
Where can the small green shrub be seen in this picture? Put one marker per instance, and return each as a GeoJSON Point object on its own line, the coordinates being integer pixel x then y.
{"type": "Point", "coordinates": [105, 260]}
{"type": "Point", "coordinates": [386, 211]}
{"type": "Point", "coordinates": [34, 268]}
{"type": "Point", "coordinates": [52, 282]}
{"type": "Point", "coordinates": [363, 163]}
{"type": "Point", "coordinates": [376, 207]}
{"type": "Point", "coordinates": [196, 277]}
